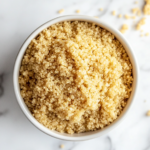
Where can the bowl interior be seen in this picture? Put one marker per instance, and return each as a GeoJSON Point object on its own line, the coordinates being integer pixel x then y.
{"type": "Point", "coordinates": [86, 135]}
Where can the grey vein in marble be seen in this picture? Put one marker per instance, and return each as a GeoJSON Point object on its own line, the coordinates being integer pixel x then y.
{"type": "Point", "coordinates": [1, 87]}
{"type": "Point", "coordinates": [144, 69]}
{"type": "Point", "coordinates": [110, 142]}
{"type": "Point", "coordinates": [106, 9]}
{"type": "Point", "coordinates": [3, 112]}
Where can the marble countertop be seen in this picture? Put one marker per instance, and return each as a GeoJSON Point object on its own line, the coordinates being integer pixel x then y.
{"type": "Point", "coordinates": [18, 18]}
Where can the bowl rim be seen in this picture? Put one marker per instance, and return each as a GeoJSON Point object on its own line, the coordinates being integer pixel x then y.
{"type": "Point", "coordinates": [93, 134]}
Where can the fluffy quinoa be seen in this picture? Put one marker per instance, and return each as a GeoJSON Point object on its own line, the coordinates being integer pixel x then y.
{"type": "Point", "coordinates": [75, 77]}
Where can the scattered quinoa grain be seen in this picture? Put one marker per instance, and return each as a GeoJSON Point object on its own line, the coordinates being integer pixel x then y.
{"type": "Point", "coordinates": [147, 34]}
{"type": "Point", "coordinates": [140, 23]}
{"type": "Point", "coordinates": [136, 11]}
{"type": "Point", "coordinates": [120, 16]}
{"type": "Point", "coordinates": [127, 16]}
{"type": "Point", "coordinates": [141, 35]}
{"type": "Point", "coordinates": [62, 146]}
{"type": "Point", "coordinates": [61, 11]}
{"type": "Point", "coordinates": [124, 28]}
{"type": "Point", "coordinates": [136, 2]}
{"type": "Point", "coordinates": [133, 17]}
{"type": "Point", "coordinates": [139, 12]}
{"type": "Point", "coordinates": [114, 13]}
{"type": "Point", "coordinates": [148, 113]}
{"type": "Point", "coordinates": [75, 77]}
{"type": "Point", "coordinates": [78, 11]}
{"type": "Point", "coordinates": [146, 8]}
{"type": "Point", "coordinates": [101, 9]}
{"type": "Point", "coordinates": [96, 16]}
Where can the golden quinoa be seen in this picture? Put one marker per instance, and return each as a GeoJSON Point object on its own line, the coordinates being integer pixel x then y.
{"type": "Point", "coordinates": [146, 8]}
{"type": "Point", "coordinates": [124, 28]}
{"type": "Point", "coordinates": [75, 77]}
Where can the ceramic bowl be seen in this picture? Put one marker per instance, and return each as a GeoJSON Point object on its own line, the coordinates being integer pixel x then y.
{"type": "Point", "coordinates": [86, 135]}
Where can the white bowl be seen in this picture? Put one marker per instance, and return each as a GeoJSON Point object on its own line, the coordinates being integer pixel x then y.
{"type": "Point", "coordinates": [86, 135]}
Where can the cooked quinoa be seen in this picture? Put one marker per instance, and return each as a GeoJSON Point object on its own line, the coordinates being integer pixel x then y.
{"type": "Point", "coordinates": [146, 8]}
{"type": "Point", "coordinates": [124, 28]}
{"type": "Point", "coordinates": [75, 77]}
{"type": "Point", "coordinates": [140, 23]}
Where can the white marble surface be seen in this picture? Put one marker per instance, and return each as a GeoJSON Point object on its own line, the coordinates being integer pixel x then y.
{"type": "Point", "coordinates": [18, 18]}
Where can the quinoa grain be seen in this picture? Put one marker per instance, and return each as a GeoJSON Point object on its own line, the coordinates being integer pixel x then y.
{"type": "Point", "coordinates": [62, 146]}
{"type": "Point", "coordinates": [61, 11]}
{"type": "Point", "coordinates": [124, 28]}
{"type": "Point", "coordinates": [78, 11]}
{"type": "Point", "coordinates": [127, 16]}
{"type": "Point", "coordinates": [120, 16]}
{"type": "Point", "coordinates": [136, 11]}
{"type": "Point", "coordinates": [148, 113]}
{"type": "Point", "coordinates": [114, 13]}
{"type": "Point", "coordinates": [140, 23]}
{"type": "Point", "coordinates": [133, 17]}
{"type": "Point", "coordinates": [146, 8]}
{"type": "Point", "coordinates": [147, 34]}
